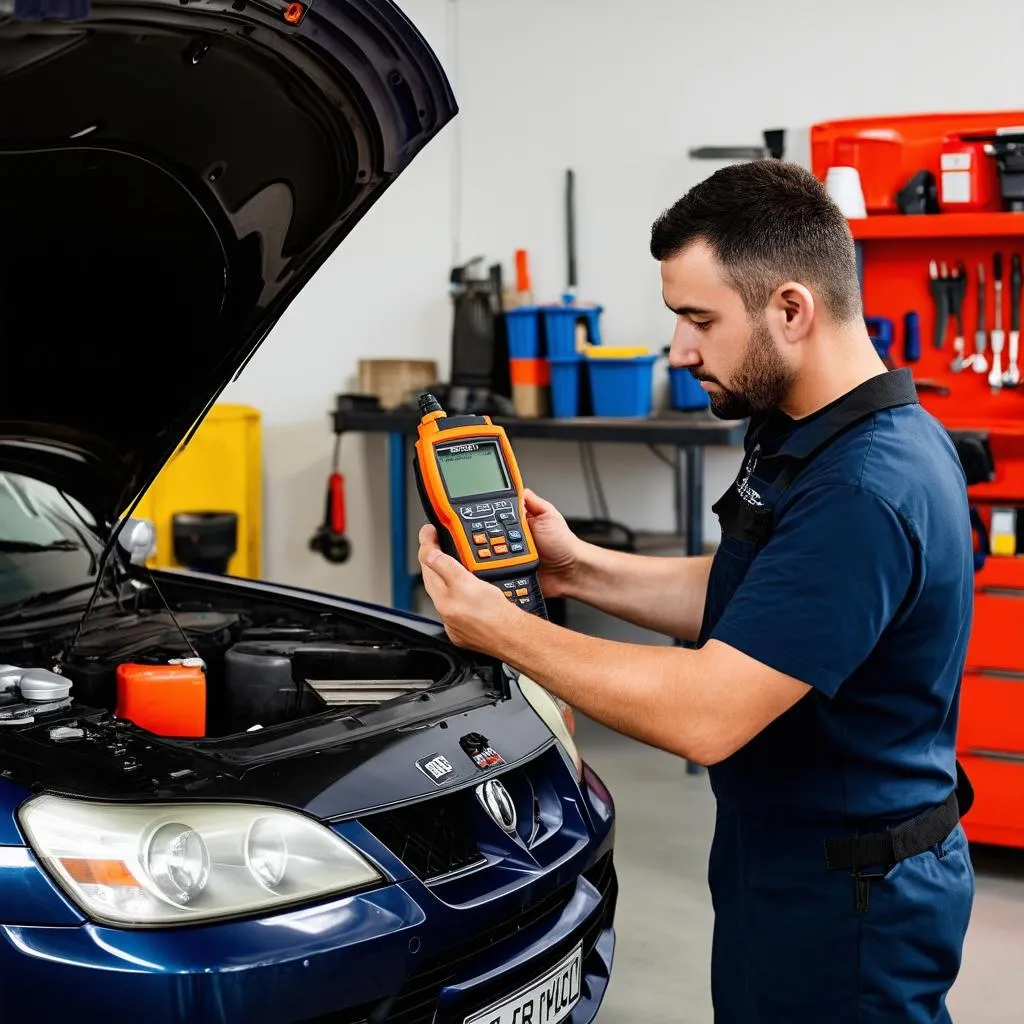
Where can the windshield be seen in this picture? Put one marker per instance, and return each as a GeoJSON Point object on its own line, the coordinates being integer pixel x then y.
{"type": "Point", "coordinates": [44, 545]}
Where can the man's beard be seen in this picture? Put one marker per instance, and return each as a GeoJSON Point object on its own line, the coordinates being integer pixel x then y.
{"type": "Point", "coordinates": [760, 384]}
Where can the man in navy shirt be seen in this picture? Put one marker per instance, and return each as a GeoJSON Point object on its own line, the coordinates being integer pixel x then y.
{"type": "Point", "coordinates": [829, 628]}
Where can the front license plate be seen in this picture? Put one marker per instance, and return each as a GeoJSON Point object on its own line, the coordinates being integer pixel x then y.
{"type": "Point", "coordinates": [546, 1001]}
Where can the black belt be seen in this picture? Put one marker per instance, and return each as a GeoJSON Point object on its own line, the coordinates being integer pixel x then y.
{"type": "Point", "coordinates": [894, 844]}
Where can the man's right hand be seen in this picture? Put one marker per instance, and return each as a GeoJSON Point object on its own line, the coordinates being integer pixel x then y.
{"type": "Point", "coordinates": [559, 548]}
{"type": "Point", "coordinates": [661, 594]}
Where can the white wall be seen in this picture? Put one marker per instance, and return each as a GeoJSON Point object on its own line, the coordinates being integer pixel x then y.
{"type": "Point", "coordinates": [619, 92]}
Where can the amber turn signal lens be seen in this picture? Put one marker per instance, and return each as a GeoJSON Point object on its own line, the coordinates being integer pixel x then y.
{"type": "Point", "coordinates": [293, 13]}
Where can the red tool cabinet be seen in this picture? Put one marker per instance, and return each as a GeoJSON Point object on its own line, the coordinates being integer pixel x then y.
{"type": "Point", "coordinates": [896, 250]}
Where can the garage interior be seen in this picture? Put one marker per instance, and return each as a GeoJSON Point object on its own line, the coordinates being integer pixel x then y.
{"type": "Point", "coordinates": [524, 225]}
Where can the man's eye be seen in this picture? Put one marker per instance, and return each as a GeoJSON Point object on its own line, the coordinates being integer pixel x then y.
{"type": "Point", "coordinates": [701, 325]}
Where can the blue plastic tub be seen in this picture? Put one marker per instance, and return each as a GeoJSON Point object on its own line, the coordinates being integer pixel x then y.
{"type": "Point", "coordinates": [685, 391]}
{"type": "Point", "coordinates": [560, 327]}
{"type": "Point", "coordinates": [565, 386]}
{"type": "Point", "coordinates": [622, 387]}
{"type": "Point", "coordinates": [523, 327]}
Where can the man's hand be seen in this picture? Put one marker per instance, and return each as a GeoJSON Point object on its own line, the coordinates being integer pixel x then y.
{"type": "Point", "coordinates": [474, 613]}
{"type": "Point", "coordinates": [558, 547]}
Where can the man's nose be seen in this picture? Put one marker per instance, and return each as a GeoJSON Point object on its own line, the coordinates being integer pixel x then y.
{"type": "Point", "coordinates": [683, 351]}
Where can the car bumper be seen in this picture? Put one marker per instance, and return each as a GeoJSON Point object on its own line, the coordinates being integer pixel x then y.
{"type": "Point", "coordinates": [399, 949]}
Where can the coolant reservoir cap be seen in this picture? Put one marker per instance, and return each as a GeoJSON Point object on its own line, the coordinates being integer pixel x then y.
{"type": "Point", "coordinates": [189, 662]}
{"type": "Point", "coordinates": [43, 685]}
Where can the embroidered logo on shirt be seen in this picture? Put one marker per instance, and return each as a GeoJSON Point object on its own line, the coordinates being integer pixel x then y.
{"type": "Point", "coordinates": [746, 492]}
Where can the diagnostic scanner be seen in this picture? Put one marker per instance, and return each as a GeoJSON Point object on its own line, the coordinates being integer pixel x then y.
{"type": "Point", "coordinates": [472, 493]}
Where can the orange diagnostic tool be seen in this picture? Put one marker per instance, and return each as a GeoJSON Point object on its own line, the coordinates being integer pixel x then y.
{"type": "Point", "coordinates": [472, 492]}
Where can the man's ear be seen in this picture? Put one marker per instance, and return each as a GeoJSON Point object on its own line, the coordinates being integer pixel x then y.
{"type": "Point", "coordinates": [792, 309]}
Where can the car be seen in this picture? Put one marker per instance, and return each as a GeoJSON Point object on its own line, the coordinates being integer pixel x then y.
{"type": "Point", "coordinates": [225, 799]}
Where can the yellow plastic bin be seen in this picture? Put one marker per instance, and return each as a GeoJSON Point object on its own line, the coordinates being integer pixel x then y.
{"type": "Point", "coordinates": [219, 470]}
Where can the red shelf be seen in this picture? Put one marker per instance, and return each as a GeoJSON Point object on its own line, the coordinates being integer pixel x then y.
{"type": "Point", "coordinates": [939, 225]}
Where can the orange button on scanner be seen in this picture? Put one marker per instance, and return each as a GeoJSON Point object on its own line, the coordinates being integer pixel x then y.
{"type": "Point", "coordinates": [479, 538]}
{"type": "Point", "coordinates": [501, 549]}
{"type": "Point", "coordinates": [483, 552]}
{"type": "Point", "coordinates": [522, 592]}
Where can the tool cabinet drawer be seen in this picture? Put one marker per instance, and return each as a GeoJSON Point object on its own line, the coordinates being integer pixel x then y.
{"type": "Point", "coordinates": [998, 812]}
{"type": "Point", "coordinates": [997, 631]}
{"type": "Point", "coordinates": [992, 712]}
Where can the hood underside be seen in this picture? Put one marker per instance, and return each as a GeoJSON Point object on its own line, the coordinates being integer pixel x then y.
{"type": "Point", "coordinates": [171, 175]}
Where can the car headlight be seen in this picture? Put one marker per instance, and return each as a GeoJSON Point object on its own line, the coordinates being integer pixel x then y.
{"type": "Point", "coordinates": [557, 715]}
{"type": "Point", "coordinates": [166, 864]}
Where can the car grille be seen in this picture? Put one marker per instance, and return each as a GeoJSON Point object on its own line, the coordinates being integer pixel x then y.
{"type": "Point", "coordinates": [431, 839]}
{"type": "Point", "coordinates": [417, 1001]}
{"type": "Point", "coordinates": [438, 836]}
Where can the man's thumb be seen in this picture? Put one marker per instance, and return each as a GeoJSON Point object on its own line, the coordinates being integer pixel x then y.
{"type": "Point", "coordinates": [535, 504]}
{"type": "Point", "coordinates": [444, 565]}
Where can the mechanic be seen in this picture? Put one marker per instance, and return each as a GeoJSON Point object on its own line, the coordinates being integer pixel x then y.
{"type": "Point", "coordinates": [828, 631]}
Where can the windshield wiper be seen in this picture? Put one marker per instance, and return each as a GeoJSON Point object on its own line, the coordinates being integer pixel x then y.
{"type": "Point", "coordinates": [19, 547]}
{"type": "Point", "coordinates": [42, 597]}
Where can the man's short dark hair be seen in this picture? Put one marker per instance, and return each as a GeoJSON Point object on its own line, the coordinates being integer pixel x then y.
{"type": "Point", "coordinates": [767, 222]}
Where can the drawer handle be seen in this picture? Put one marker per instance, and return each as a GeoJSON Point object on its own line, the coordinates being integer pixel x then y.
{"type": "Point", "coordinates": [998, 673]}
{"type": "Point", "coordinates": [998, 755]}
{"type": "Point", "coordinates": [1001, 592]}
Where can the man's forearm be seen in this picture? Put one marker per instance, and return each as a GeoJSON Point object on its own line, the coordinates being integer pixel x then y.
{"type": "Point", "coordinates": [702, 705]}
{"type": "Point", "coordinates": [665, 595]}
{"type": "Point", "coordinates": [653, 694]}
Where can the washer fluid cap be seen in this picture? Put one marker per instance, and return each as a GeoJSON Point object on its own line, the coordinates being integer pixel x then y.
{"type": "Point", "coordinates": [10, 675]}
{"type": "Point", "coordinates": [43, 685]}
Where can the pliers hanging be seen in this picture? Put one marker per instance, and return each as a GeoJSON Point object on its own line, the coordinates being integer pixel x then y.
{"type": "Point", "coordinates": [948, 290]}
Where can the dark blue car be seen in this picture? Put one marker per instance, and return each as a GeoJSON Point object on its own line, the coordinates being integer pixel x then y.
{"type": "Point", "coordinates": [370, 825]}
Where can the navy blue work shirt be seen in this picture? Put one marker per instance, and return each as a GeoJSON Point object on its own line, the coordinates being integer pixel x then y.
{"type": "Point", "coordinates": [864, 591]}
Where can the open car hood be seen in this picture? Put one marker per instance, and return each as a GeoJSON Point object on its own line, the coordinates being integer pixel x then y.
{"type": "Point", "coordinates": [171, 175]}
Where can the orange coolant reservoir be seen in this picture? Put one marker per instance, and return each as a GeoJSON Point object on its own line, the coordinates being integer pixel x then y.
{"type": "Point", "coordinates": [168, 700]}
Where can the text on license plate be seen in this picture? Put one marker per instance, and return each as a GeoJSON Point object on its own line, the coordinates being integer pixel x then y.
{"type": "Point", "coordinates": [546, 1001]}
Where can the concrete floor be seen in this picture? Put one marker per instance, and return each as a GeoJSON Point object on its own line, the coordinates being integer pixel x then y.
{"type": "Point", "coordinates": [664, 916]}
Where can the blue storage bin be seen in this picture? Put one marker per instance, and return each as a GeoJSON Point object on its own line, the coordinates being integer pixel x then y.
{"type": "Point", "coordinates": [685, 391]}
{"type": "Point", "coordinates": [523, 326]}
{"type": "Point", "coordinates": [565, 386]}
{"type": "Point", "coordinates": [560, 327]}
{"type": "Point", "coordinates": [622, 387]}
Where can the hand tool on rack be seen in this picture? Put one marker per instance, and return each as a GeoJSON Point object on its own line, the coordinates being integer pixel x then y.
{"type": "Point", "coordinates": [958, 289]}
{"type": "Point", "coordinates": [1011, 378]}
{"type": "Point", "coordinates": [941, 296]}
{"type": "Point", "coordinates": [995, 375]}
{"type": "Point", "coordinates": [978, 361]}
{"type": "Point", "coordinates": [911, 336]}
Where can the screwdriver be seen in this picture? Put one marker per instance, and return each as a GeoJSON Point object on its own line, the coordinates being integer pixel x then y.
{"type": "Point", "coordinates": [979, 361]}
{"type": "Point", "coordinates": [995, 376]}
{"type": "Point", "coordinates": [1012, 376]}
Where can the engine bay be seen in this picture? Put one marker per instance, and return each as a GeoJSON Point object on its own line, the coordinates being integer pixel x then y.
{"type": "Point", "coordinates": [242, 666]}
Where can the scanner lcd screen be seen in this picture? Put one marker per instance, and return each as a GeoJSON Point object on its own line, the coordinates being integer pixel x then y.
{"type": "Point", "coordinates": [477, 471]}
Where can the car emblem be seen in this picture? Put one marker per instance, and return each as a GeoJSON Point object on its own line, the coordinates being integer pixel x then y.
{"type": "Point", "coordinates": [483, 754]}
{"type": "Point", "coordinates": [495, 799]}
{"type": "Point", "coordinates": [437, 768]}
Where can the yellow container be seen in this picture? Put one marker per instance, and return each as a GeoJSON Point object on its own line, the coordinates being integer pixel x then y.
{"type": "Point", "coordinates": [612, 352]}
{"type": "Point", "coordinates": [219, 470]}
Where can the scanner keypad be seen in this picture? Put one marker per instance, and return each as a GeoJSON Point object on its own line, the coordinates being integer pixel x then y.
{"type": "Point", "coordinates": [493, 528]}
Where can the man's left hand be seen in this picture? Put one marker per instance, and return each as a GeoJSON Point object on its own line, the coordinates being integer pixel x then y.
{"type": "Point", "coordinates": [474, 613]}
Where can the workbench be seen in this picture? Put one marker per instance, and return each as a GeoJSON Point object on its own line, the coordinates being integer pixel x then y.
{"type": "Point", "coordinates": [689, 433]}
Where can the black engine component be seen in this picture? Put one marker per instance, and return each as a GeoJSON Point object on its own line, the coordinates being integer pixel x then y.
{"type": "Point", "coordinates": [149, 638]}
{"type": "Point", "coordinates": [271, 681]}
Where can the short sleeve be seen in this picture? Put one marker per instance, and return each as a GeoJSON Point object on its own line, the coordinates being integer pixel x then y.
{"type": "Point", "coordinates": [817, 598]}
